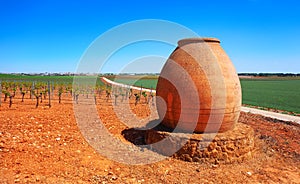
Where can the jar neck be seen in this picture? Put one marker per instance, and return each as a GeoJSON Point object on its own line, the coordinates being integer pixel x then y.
{"type": "Point", "coordinates": [197, 40]}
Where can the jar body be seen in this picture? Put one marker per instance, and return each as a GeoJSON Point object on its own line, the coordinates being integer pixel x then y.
{"type": "Point", "coordinates": [216, 85]}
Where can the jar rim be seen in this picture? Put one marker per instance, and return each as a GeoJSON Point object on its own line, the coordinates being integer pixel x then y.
{"type": "Point", "coordinates": [196, 40]}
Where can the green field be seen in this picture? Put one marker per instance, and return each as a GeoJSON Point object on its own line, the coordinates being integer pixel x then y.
{"type": "Point", "coordinates": [53, 79]}
{"type": "Point", "coordinates": [66, 79]}
{"type": "Point", "coordinates": [282, 94]}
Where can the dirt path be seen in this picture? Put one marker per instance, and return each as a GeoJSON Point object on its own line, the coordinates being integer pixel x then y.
{"type": "Point", "coordinates": [274, 115]}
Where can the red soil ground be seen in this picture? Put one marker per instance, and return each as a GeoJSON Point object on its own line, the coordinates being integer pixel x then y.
{"type": "Point", "coordinates": [45, 145]}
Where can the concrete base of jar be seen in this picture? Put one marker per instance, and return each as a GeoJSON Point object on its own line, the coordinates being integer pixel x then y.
{"type": "Point", "coordinates": [232, 146]}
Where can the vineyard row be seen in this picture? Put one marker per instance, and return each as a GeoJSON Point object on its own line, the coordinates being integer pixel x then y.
{"type": "Point", "coordinates": [39, 91]}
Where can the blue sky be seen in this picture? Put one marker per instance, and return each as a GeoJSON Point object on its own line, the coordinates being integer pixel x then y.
{"type": "Point", "coordinates": [52, 35]}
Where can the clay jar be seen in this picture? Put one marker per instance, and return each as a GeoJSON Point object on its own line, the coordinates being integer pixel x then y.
{"type": "Point", "coordinates": [198, 88]}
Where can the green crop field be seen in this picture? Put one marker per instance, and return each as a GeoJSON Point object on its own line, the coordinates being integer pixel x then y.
{"type": "Point", "coordinates": [54, 79]}
{"type": "Point", "coordinates": [282, 94]}
{"type": "Point", "coordinates": [62, 79]}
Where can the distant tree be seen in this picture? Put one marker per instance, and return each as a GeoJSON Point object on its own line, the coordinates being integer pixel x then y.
{"type": "Point", "coordinates": [9, 92]}
{"type": "Point", "coordinates": [5, 95]}
{"type": "Point", "coordinates": [69, 90]}
{"type": "Point", "coordinates": [95, 98]}
{"type": "Point", "coordinates": [45, 92]}
{"type": "Point", "coordinates": [60, 92]}
{"type": "Point", "coordinates": [151, 97]}
{"type": "Point", "coordinates": [41, 97]}
{"type": "Point", "coordinates": [37, 96]}
{"type": "Point", "coordinates": [108, 94]}
{"type": "Point", "coordinates": [76, 98]}
{"type": "Point", "coordinates": [87, 93]}
{"type": "Point", "coordinates": [145, 96]}
{"type": "Point", "coordinates": [10, 99]}
{"type": "Point", "coordinates": [23, 92]}
{"type": "Point", "coordinates": [137, 98]}
{"type": "Point", "coordinates": [130, 93]}
{"type": "Point", "coordinates": [116, 98]}
{"type": "Point", "coordinates": [122, 93]}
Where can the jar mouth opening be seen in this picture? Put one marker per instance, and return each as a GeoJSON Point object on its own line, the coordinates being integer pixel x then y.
{"type": "Point", "coordinates": [197, 40]}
